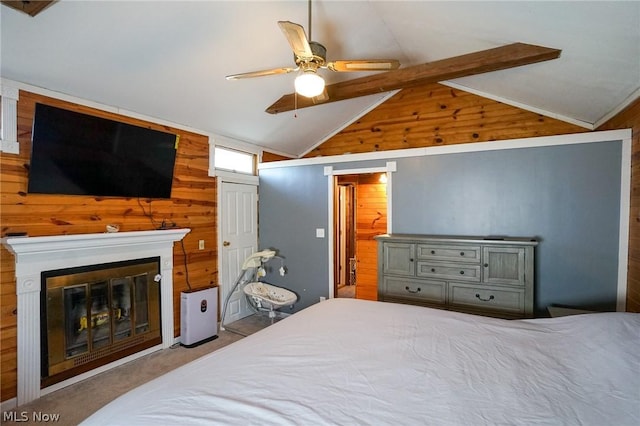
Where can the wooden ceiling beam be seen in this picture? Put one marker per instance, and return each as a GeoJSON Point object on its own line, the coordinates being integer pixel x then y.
{"type": "Point", "coordinates": [31, 8]}
{"type": "Point", "coordinates": [499, 58]}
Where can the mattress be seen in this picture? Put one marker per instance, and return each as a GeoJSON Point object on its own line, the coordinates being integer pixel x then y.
{"type": "Point", "coordinates": [348, 361]}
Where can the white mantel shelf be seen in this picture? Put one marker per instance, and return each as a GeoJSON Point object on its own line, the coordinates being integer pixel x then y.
{"type": "Point", "coordinates": [55, 243]}
{"type": "Point", "coordinates": [34, 255]}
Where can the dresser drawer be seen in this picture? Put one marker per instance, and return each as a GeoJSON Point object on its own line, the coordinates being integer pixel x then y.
{"type": "Point", "coordinates": [425, 290]}
{"type": "Point", "coordinates": [486, 297]}
{"type": "Point", "coordinates": [460, 271]}
{"type": "Point", "coordinates": [454, 253]}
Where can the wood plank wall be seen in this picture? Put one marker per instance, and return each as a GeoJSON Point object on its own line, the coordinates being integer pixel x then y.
{"type": "Point", "coordinates": [434, 114]}
{"type": "Point", "coordinates": [192, 205]}
{"type": "Point", "coordinates": [629, 118]}
{"type": "Point", "coordinates": [371, 220]}
{"type": "Point", "coordinates": [270, 156]}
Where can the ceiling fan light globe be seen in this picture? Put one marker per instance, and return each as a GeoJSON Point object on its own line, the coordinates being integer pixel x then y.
{"type": "Point", "coordinates": [309, 84]}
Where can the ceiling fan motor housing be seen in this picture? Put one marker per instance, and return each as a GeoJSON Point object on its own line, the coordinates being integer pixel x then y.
{"type": "Point", "coordinates": [319, 55]}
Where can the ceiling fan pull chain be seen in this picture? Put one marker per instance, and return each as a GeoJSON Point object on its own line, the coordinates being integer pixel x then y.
{"type": "Point", "coordinates": [295, 104]}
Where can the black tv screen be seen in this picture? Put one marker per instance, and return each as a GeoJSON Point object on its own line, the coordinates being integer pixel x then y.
{"type": "Point", "coordinates": [79, 154]}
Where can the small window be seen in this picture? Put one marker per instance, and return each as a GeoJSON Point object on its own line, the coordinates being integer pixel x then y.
{"type": "Point", "coordinates": [235, 161]}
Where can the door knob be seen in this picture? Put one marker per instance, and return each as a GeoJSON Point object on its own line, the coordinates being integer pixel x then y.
{"type": "Point", "coordinates": [226, 243]}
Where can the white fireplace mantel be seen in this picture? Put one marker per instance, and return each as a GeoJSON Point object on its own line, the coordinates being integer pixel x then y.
{"type": "Point", "coordinates": [34, 255]}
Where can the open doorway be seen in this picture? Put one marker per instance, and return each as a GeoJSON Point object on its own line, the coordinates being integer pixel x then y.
{"type": "Point", "coordinates": [345, 236]}
{"type": "Point", "coordinates": [360, 214]}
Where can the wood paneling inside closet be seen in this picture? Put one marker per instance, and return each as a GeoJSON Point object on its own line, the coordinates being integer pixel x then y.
{"type": "Point", "coordinates": [371, 220]}
{"type": "Point", "coordinates": [192, 205]}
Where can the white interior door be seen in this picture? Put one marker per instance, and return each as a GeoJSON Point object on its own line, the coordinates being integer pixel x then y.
{"type": "Point", "coordinates": [239, 236]}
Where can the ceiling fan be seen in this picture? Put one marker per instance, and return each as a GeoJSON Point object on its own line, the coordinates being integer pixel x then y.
{"type": "Point", "coordinates": [309, 56]}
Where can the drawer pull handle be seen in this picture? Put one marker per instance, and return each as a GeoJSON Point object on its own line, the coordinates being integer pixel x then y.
{"type": "Point", "coordinates": [461, 272]}
{"type": "Point", "coordinates": [433, 269]}
{"type": "Point", "coordinates": [484, 300]}
{"type": "Point", "coordinates": [410, 260]}
{"type": "Point", "coordinates": [486, 265]}
{"type": "Point", "coordinates": [433, 252]}
{"type": "Point", "coordinates": [414, 291]}
{"type": "Point", "coordinates": [461, 253]}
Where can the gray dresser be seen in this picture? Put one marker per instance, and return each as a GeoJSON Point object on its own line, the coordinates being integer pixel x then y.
{"type": "Point", "coordinates": [486, 276]}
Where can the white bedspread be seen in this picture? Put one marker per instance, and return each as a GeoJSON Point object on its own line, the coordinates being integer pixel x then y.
{"type": "Point", "coordinates": [348, 362]}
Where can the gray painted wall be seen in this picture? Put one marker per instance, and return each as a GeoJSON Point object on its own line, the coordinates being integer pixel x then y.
{"type": "Point", "coordinates": [566, 196]}
{"type": "Point", "coordinates": [292, 205]}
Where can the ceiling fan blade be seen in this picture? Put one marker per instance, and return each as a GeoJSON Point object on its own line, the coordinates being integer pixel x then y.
{"type": "Point", "coordinates": [261, 73]}
{"type": "Point", "coordinates": [499, 58]}
{"type": "Point", "coordinates": [364, 65]}
{"type": "Point", "coordinates": [297, 39]}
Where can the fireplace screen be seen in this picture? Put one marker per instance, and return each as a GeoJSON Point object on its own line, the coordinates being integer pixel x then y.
{"type": "Point", "coordinates": [96, 314]}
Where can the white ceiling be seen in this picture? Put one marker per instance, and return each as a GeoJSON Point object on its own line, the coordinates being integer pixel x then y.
{"type": "Point", "coordinates": [168, 59]}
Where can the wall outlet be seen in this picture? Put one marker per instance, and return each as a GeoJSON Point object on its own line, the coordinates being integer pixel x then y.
{"type": "Point", "coordinates": [201, 245]}
{"type": "Point", "coordinates": [322, 298]}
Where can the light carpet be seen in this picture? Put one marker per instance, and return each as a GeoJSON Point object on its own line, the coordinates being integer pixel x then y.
{"type": "Point", "coordinates": [76, 402]}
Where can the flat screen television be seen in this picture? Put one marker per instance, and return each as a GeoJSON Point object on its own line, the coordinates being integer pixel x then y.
{"type": "Point", "coordinates": [79, 154]}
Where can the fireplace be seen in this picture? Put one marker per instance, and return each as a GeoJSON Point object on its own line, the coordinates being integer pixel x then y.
{"type": "Point", "coordinates": [36, 255]}
{"type": "Point", "coordinates": [94, 314]}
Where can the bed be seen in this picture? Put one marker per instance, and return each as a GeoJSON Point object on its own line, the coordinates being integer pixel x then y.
{"type": "Point", "coordinates": [348, 361]}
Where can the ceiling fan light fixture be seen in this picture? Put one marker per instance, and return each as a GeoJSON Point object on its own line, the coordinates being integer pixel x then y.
{"type": "Point", "coordinates": [309, 84]}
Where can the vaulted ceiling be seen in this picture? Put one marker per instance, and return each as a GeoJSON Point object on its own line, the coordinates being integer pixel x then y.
{"type": "Point", "coordinates": [168, 60]}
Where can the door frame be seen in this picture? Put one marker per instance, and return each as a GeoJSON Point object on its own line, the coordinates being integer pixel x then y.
{"type": "Point", "coordinates": [330, 173]}
{"type": "Point", "coordinates": [221, 178]}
